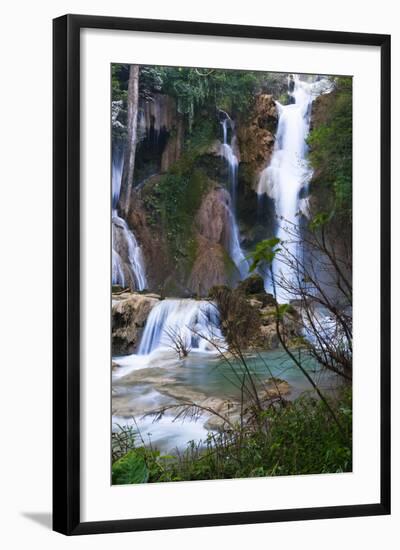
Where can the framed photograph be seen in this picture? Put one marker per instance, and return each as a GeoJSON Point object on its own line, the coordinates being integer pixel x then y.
{"type": "Point", "coordinates": [221, 274]}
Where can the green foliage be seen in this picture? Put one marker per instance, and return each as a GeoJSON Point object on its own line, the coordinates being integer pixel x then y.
{"type": "Point", "coordinates": [173, 203]}
{"type": "Point", "coordinates": [131, 468]}
{"type": "Point", "coordinates": [331, 146]}
{"type": "Point", "coordinates": [119, 95]}
{"type": "Point", "coordinates": [122, 441]}
{"type": "Point", "coordinates": [119, 82]}
{"type": "Point", "coordinates": [282, 310]}
{"type": "Point", "coordinates": [195, 88]}
{"type": "Point", "coordinates": [150, 80]}
{"type": "Point", "coordinates": [201, 138]}
{"type": "Point", "coordinates": [288, 438]}
{"type": "Point", "coordinates": [264, 252]}
{"type": "Point", "coordinates": [295, 438]}
{"type": "Point", "coordinates": [234, 90]}
{"type": "Point", "coordinates": [319, 220]}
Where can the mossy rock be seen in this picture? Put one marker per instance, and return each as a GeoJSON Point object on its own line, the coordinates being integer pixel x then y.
{"type": "Point", "coordinates": [116, 289]}
{"type": "Point", "coordinates": [217, 290]}
{"type": "Point", "coordinates": [252, 285]}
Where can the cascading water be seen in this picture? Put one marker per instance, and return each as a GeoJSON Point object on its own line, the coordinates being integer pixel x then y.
{"type": "Point", "coordinates": [288, 174]}
{"type": "Point", "coordinates": [127, 258]}
{"type": "Point", "coordinates": [196, 323]}
{"type": "Point", "coordinates": [228, 153]}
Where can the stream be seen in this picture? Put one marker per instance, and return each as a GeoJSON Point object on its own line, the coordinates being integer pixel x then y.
{"type": "Point", "coordinates": [144, 383]}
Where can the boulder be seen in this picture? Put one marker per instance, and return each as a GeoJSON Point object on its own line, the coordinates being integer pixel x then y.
{"type": "Point", "coordinates": [274, 387]}
{"type": "Point", "coordinates": [129, 315]}
{"type": "Point", "coordinates": [224, 409]}
{"type": "Point", "coordinates": [252, 285]}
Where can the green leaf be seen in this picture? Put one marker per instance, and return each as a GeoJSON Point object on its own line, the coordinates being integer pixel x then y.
{"type": "Point", "coordinates": [319, 220]}
{"type": "Point", "coordinates": [282, 310]}
{"type": "Point", "coordinates": [131, 468]}
{"type": "Point", "coordinates": [265, 251]}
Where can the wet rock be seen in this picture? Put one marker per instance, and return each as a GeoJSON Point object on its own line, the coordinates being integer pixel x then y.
{"type": "Point", "coordinates": [212, 220]}
{"type": "Point", "coordinates": [256, 135]}
{"type": "Point", "coordinates": [252, 285]}
{"type": "Point", "coordinates": [153, 241]}
{"type": "Point", "coordinates": [274, 387]}
{"type": "Point", "coordinates": [212, 265]}
{"type": "Point", "coordinates": [180, 393]}
{"type": "Point", "coordinates": [269, 336]}
{"type": "Point", "coordinates": [226, 413]}
{"type": "Point", "coordinates": [129, 315]}
{"type": "Point", "coordinates": [174, 145]}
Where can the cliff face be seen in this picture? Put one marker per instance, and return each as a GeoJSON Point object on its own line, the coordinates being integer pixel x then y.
{"type": "Point", "coordinates": [174, 145]}
{"type": "Point", "coordinates": [190, 256]}
{"type": "Point", "coordinates": [212, 265]}
{"type": "Point", "coordinates": [256, 135]}
{"type": "Point", "coordinates": [152, 240]}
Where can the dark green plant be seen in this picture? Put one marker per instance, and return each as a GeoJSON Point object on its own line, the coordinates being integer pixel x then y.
{"type": "Point", "coordinates": [331, 143]}
{"type": "Point", "coordinates": [290, 438]}
{"type": "Point", "coordinates": [131, 468]}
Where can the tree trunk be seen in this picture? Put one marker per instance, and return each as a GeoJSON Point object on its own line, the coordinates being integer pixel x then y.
{"type": "Point", "coordinates": [130, 151]}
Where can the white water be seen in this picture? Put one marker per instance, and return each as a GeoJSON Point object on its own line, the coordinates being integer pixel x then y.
{"type": "Point", "coordinates": [227, 151]}
{"type": "Point", "coordinates": [195, 322]}
{"type": "Point", "coordinates": [167, 433]}
{"type": "Point", "coordinates": [288, 174]}
{"type": "Point", "coordinates": [129, 269]}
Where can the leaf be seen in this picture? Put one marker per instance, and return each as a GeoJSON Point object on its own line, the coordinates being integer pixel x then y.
{"type": "Point", "coordinates": [282, 310]}
{"type": "Point", "coordinates": [131, 468]}
{"type": "Point", "coordinates": [265, 251]}
{"type": "Point", "coordinates": [320, 219]}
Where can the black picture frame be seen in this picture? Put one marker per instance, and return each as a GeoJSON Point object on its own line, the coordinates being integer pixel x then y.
{"type": "Point", "coordinates": [66, 273]}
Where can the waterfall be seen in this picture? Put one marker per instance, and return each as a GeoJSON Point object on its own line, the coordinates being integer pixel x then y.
{"type": "Point", "coordinates": [187, 320]}
{"type": "Point", "coordinates": [227, 152]}
{"type": "Point", "coordinates": [288, 174]}
{"type": "Point", "coordinates": [127, 258]}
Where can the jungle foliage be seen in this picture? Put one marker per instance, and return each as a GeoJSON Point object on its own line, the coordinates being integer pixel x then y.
{"type": "Point", "coordinates": [292, 438]}
{"type": "Point", "coordinates": [330, 144]}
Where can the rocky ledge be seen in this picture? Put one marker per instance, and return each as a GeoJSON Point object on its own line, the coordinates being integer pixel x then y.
{"type": "Point", "coordinates": [129, 314]}
{"type": "Point", "coordinates": [248, 316]}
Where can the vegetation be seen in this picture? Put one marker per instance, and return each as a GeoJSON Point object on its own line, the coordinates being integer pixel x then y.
{"type": "Point", "coordinates": [330, 144]}
{"type": "Point", "coordinates": [289, 439]}
{"type": "Point", "coordinates": [265, 434]}
{"type": "Point", "coordinates": [196, 89]}
{"type": "Point", "coordinates": [172, 204]}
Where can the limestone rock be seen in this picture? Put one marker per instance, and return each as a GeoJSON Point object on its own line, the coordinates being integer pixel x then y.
{"type": "Point", "coordinates": [212, 220]}
{"type": "Point", "coordinates": [212, 265]}
{"type": "Point", "coordinates": [252, 285]}
{"type": "Point", "coordinates": [129, 315]}
{"type": "Point", "coordinates": [256, 136]}
{"type": "Point", "coordinates": [274, 387]}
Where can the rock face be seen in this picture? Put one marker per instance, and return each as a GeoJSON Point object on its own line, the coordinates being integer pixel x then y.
{"type": "Point", "coordinates": [212, 265]}
{"type": "Point", "coordinates": [212, 220]}
{"type": "Point", "coordinates": [256, 136]}
{"type": "Point", "coordinates": [252, 285]}
{"type": "Point", "coordinates": [129, 315]}
{"type": "Point", "coordinates": [248, 316]}
{"type": "Point", "coordinates": [153, 242]}
{"type": "Point", "coordinates": [320, 109]}
{"type": "Point", "coordinates": [174, 146]}
{"type": "Point", "coordinates": [158, 113]}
